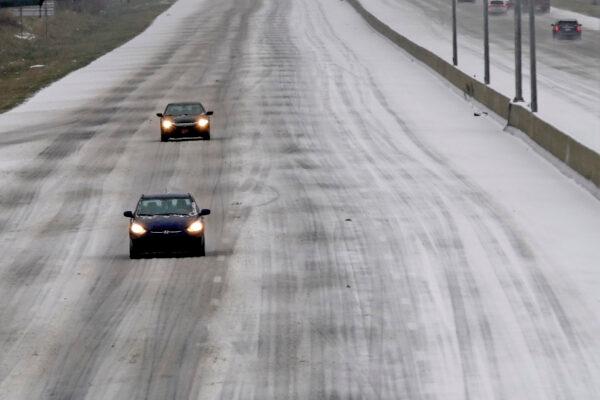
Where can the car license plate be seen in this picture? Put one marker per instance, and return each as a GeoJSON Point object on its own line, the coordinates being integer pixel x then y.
{"type": "Point", "coordinates": [184, 130]}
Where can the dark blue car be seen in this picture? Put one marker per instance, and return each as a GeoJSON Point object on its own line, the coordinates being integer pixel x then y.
{"type": "Point", "coordinates": [166, 223]}
{"type": "Point", "coordinates": [567, 29]}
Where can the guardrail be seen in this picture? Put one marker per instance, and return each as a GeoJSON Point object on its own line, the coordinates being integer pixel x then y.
{"type": "Point", "coordinates": [578, 157]}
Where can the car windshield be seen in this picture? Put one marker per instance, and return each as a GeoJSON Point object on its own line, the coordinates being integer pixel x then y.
{"type": "Point", "coordinates": [182, 109]}
{"type": "Point", "coordinates": [174, 206]}
{"type": "Point", "coordinates": [567, 23]}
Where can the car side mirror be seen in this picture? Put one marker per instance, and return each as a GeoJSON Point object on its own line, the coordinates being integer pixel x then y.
{"type": "Point", "coordinates": [159, 115]}
{"type": "Point", "coordinates": [209, 113]}
{"type": "Point", "coordinates": [128, 214]}
{"type": "Point", "coordinates": [205, 211]}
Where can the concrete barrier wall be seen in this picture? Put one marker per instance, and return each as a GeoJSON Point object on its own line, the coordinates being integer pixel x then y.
{"type": "Point", "coordinates": [583, 160]}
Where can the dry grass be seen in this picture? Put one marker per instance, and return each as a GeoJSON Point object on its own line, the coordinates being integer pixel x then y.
{"type": "Point", "coordinates": [73, 40]}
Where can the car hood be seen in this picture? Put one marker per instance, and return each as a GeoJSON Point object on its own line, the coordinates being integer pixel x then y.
{"type": "Point", "coordinates": [166, 222]}
{"type": "Point", "coordinates": [184, 119]}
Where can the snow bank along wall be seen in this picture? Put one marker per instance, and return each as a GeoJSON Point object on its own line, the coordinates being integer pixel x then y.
{"type": "Point", "coordinates": [583, 160]}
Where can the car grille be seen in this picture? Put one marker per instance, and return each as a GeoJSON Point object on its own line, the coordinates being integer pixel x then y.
{"type": "Point", "coordinates": [165, 232]}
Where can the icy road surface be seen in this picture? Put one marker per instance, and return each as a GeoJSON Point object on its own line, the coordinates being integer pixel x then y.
{"type": "Point", "coordinates": [370, 238]}
{"type": "Point", "coordinates": [568, 70]}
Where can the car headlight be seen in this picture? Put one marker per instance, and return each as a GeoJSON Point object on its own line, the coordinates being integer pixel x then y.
{"type": "Point", "coordinates": [137, 229]}
{"type": "Point", "coordinates": [203, 122]}
{"type": "Point", "coordinates": [167, 124]}
{"type": "Point", "coordinates": [195, 227]}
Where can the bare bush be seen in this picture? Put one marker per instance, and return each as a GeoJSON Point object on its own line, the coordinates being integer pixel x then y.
{"type": "Point", "coordinates": [7, 18]}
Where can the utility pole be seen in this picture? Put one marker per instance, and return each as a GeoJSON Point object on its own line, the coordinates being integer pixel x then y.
{"type": "Point", "coordinates": [454, 38]}
{"type": "Point", "coordinates": [486, 43]}
{"type": "Point", "coordinates": [532, 57]}
{"type": "Point", "coordinates": [518, 69]}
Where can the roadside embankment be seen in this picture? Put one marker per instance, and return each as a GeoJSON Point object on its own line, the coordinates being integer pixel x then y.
{"type": "Point", "coordinates": [581, 159]}
{"type": "Point", "coordinates": [579, 6]}
{"type": "Point", "coordinates": [45, 50]}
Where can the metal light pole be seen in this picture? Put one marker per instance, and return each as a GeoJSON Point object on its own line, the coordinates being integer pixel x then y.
{"type": "Point", "coordinates": [486, 43]}
{"type": "Point", "coordinates": [454, 39]}
{"type": "Point", "coordinates": [532, 57]}
{"type": "Point", "coordinates": [518, 69]}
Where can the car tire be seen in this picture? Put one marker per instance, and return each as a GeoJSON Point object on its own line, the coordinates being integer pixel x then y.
{"type": "Point", "coordinates": [206, 136]}
{"type": "Point", "coordinates": [164, 138]}
{"type": "Point", "coordinates": [200, 251]}
{"type": "Point", "coordinates": [134, 253]}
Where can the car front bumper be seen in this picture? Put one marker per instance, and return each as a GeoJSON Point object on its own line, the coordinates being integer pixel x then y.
{"type": "Point", "coordinates": [167, 242]}
{"type": "Point", "coordinates": [186, 130]}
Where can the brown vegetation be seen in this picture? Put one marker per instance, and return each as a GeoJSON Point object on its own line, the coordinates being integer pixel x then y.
{"type": "Point", "coordinates": [72, 39]}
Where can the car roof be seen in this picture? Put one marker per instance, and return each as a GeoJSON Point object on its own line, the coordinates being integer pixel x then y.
{"type": "Point", "coordinates": [167, 196]}
{"type": "Point", "coordinates": [184, 103]}
{"type": "Point", "coordinates": [567, 20]}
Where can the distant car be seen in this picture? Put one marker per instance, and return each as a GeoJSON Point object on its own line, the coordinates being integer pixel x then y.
{"type": "Point", "coordinates": [184, 120]}
{"type": "Point", "coordinates": [498, 7]}
{"type": "Point", "coordinates": [540, 6]}
{"type": "Point", "coordinates": [166, 223]}
{"type": "Point", "coordinates": [567, 29]}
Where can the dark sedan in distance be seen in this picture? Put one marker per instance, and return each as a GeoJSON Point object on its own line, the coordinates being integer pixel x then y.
{"type": "Point", "coordinates": [166, 223]}
{"type": "Point", "coordinates": [181, 120]}
{"type": "Point", "coordinates": [567, 29]}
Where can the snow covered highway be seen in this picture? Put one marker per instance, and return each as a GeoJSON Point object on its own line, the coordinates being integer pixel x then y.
{"type": "Point", "coordinates": [374, 235]}
{"type": "Point", "coordinates": [568, 71]}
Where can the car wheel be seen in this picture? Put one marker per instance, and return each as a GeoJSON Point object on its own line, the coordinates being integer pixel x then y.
{"type": "Point", "coordinates": [200, 251]}
{"type": "Point", "coordinates": [164, 138]}
{"type": "Point", "coordinates": [206, 136]}
{"type": "Point", "coordinates": [134, 253]}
